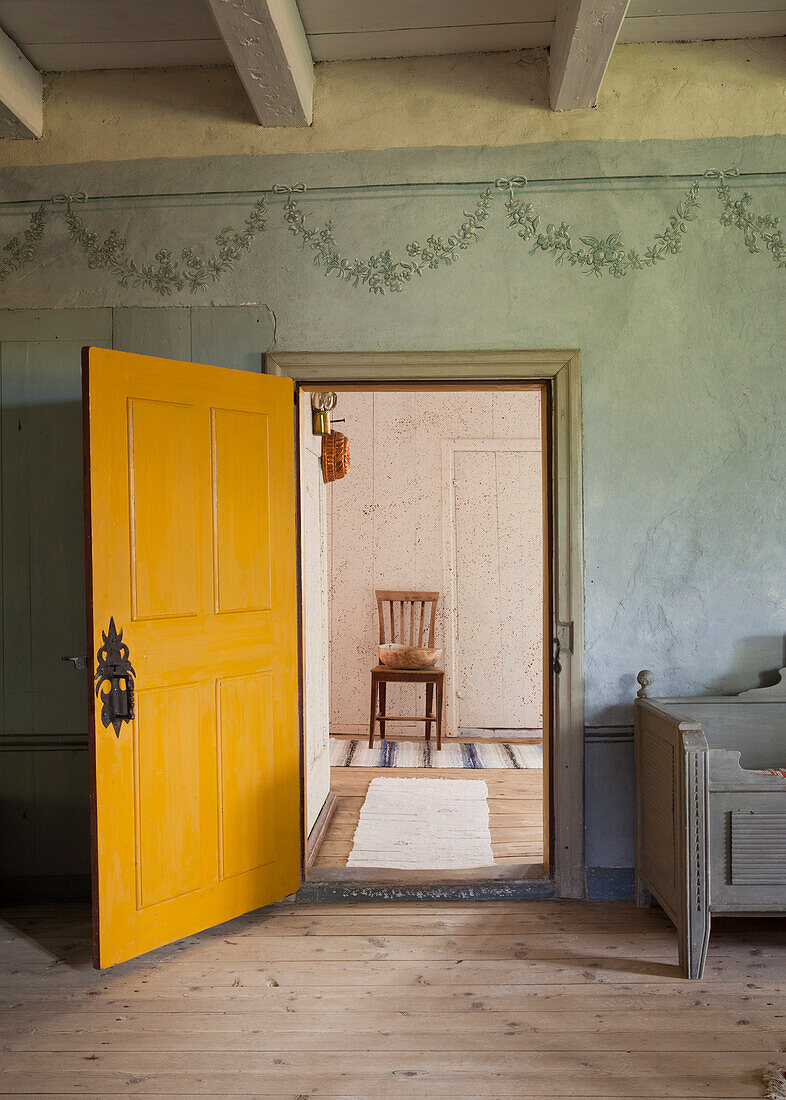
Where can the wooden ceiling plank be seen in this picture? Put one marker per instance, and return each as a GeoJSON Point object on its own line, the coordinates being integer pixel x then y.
{"type": "Point", "coordinates": [360, 16]}
{"type": "Point", "coordinates": [689, 27]}
{"type": "Point", "coordinates": [698, 8]}
{"type": "Point", "coordinates": [80, 56]}
{"type": "Point", "coordinates": [430, 41]}
{"type": "Point", "coordinates": [270, 51]}
{"type": "Point", "coordinates": [21, 93]}
{"type": "Point", "coordinates": [51, 22]}
{"type": "Point", "coordinates": [585, 33]}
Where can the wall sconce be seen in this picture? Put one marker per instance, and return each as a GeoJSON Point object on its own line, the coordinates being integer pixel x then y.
{"type": "Point", "coordinates": [322, 404]}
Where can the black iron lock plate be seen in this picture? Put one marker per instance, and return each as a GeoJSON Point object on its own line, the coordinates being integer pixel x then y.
{"type": "Point", "coordinates": [115, 674]}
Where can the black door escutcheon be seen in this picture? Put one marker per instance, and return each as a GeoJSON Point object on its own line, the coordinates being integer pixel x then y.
{"type": "Point", "coordinates": [116, 671]}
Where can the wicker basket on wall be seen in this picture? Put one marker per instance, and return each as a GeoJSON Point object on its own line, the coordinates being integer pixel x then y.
{"type": "Point", "coordinates": [335, 456]}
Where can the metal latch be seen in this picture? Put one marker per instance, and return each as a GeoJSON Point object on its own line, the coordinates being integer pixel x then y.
{"type": "Point", "coordinates": [115, 674]}
{"type": "Point", "coordinates": [78, 662]}
{"type": "Point", "coordinates": [563, 643]}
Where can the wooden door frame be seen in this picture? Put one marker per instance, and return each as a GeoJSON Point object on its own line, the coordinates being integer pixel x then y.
{"type": "Point", "coordinates": [561, 372]}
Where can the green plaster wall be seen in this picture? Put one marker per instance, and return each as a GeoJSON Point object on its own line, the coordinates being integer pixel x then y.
{"type": "Point", "coordinates": [684, 386]}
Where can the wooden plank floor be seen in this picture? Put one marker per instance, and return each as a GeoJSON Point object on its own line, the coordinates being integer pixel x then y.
{"type": "Point", "coordinates": [515, 809]}
{"type": "Point", "coordinates": [498, 999]}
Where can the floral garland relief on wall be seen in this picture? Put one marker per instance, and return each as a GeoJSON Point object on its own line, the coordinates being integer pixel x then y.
{"type": "Point", "coordinates": [595, 255]}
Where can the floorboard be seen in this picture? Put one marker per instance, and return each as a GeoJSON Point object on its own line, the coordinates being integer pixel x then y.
{"type": "Point", "coordinates": [515, 809]}
{"type": "Point", "coordinates": [500, 999]}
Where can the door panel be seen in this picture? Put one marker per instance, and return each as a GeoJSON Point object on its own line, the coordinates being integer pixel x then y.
{"type": "Point", "coordinates": [163, 436]}
{"type": "Point", "coordinates": [191, 550]}
{"type": "Point", "coordinates": [241, 508]}
{"type": "Point", "coordinates": [499, 583]}
{"type": "Point", "coordinates": [166, 791]}
{"type": "Point", "coordinates": [246, 749]}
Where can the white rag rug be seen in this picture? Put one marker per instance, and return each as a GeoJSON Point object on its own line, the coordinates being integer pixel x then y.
{"type": "Point", "coordinates": [423, 824]}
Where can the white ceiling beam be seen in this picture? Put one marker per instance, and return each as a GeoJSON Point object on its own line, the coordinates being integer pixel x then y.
{"type": "Point", "coordinates": [21, 93]}
{"type": "Point", "coordinates": [270, 51]}
{"type": "Point", "coordinates": [584, 36]}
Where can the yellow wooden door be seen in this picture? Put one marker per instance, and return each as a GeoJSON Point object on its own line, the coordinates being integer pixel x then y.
{"type": "Point", "coordinates": [190, 504]}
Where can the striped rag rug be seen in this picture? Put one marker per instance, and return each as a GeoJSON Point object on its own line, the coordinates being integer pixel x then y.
{"type": "Point", "coordinates": [346, 753]}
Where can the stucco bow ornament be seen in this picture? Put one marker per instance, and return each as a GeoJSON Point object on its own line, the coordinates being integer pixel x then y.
{"type": "Point", "coordinates": [505, 184]}
{"type": "Point", "coordinates": [720, 173]}
{"type": "Point", "coordinates": [61, 197]}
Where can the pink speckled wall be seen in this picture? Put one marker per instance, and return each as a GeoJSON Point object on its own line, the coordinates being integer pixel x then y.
{"type": "Point", "coordinates": [444, 493]}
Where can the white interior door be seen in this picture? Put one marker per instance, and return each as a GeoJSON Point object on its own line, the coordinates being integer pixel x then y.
{"type": "Point", "coordinates": [495, 541]}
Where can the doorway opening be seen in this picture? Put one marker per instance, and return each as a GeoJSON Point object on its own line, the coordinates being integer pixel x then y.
{"type": "Point", "coordinates": [437, 536]}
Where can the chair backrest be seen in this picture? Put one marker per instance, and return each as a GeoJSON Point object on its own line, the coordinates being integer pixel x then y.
{"type": "Point", "coordinates": [407, 618]}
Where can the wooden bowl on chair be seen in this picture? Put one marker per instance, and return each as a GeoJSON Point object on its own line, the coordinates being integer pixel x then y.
{"type": "Point", "coordinates": [408, 656]}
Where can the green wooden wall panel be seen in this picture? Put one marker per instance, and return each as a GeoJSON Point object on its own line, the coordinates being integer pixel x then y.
{"type": "Point", "coordinates": [57, 558]}
{"type": "Point", "coordinates": [17, 817]}
{"type": "Point", "coordinates": [61, 812]}
{"type": "Point", "coordinates": [164, 332]}
{"type": "Point", "coordinates": [87, 325]}
{"type": "Point", "coordinates": [14, 460]}
{"type": "Point", "coordinates": [44, 813]}
{"type": "Point", "coordinates": [231, 336]}
{"type": "Point", "coordinates": [43, 541]}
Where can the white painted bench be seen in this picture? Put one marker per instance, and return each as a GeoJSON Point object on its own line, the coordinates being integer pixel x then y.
{"type": "Point", "coordinates": [710, 809]}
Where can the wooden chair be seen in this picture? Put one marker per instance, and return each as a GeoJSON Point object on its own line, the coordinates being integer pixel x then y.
{"type": "Point", "coordinates": [407, 618]}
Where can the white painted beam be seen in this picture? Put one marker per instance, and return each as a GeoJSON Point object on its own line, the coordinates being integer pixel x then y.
{"type": "Point", "coordinates": [584, 36]}
{"type": "Point", "coordinates": [21, 93]}
{"type": "Point", "coordinates": [270, 51]}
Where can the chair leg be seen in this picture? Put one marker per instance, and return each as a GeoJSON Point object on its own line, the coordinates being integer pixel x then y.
{"type": "Point", "coordinates": [440, 685]}
{"type": "Point", "coordinates": [383, 695]}
{"type": "Point", "coordinates": [373, 718]}
{"type": "Point", "coordinates": [429, 704]}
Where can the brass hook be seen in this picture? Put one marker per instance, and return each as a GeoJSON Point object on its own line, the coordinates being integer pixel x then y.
{"type": "Point", "coordinates": [322, 404]}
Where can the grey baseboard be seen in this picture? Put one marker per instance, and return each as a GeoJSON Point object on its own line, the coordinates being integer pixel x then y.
{"type": "Point", "coordinates": [320, 828]}
{"type": "Point", "coordinates": [608, 733]}
{"type": "Point", "coordinates": [610, 883]}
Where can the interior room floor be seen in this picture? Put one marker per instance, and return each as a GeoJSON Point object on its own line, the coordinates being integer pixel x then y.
{"type": "Point", "coordinates": [500, 999]}
{"type": "Point", "coordinates": [515, 809]}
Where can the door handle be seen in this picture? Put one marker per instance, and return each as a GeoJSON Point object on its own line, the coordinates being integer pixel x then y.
{"type": "Point", "coordinates": [557, 664]}
{"type": "Point", "coordinates": [79, 662]}
{"type": "Point", "coordinates": [117, 673]}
